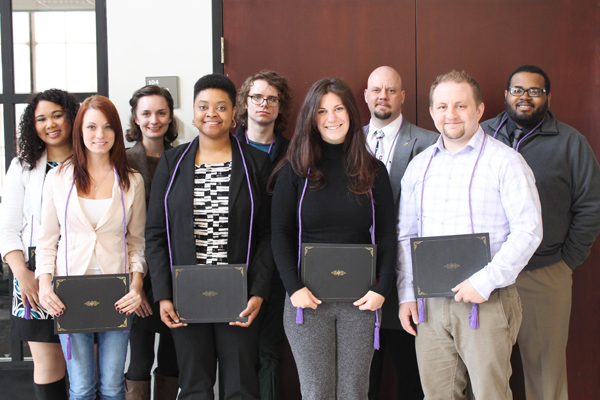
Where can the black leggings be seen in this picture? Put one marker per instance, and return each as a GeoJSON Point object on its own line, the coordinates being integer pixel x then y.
{"type": "Point", "coordinates": [141, 342]}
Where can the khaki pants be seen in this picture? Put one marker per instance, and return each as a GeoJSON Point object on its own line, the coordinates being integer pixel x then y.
{"type": "Point", "coordinates": [546, 297]}
{"type": "Point", "coordinates": [449, 352]}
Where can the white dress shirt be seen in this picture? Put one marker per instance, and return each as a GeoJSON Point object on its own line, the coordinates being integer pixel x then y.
{"type": "Point", "coordinates": [504, 200]}
{"type": "Point", "coordinates": [390, 131]}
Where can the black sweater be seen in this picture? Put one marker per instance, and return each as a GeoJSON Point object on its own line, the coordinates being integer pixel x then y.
{"type": "Point", "coordinates": [332, 214]}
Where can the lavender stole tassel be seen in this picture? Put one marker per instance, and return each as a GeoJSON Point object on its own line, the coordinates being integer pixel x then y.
{"type": "Point", "coordinates": [421, 310]}
{"type": "Point", "coordinates": [474, 317]}
{"type": "Point", "coordinates": [299, 315]}
{"type": "Point", "coordinates": [376, 333]}
{"type": "Point", "coordinates": [27, 310]}
{"type": "Point", "coordinates": [68, 346]}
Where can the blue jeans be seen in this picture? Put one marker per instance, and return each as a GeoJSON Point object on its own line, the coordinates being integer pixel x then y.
{"type": "Point", "coordinates": [83, 380]}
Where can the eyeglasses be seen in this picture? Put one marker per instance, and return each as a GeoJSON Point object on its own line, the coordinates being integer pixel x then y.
{"type": "Point", "coordinates": [533, 92]}
{"type": "Point", "coordinates": [259, 100]}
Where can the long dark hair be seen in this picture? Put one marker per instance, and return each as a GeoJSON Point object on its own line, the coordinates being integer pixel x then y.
{"type": "Point", "coordinates": [134, 133]}
{"type": "Point", "coordinates": [117, 152]}
{"type": "Point", "coordinates": [29, 146]}
{"type": "Point", "coordinates": [304, 151]}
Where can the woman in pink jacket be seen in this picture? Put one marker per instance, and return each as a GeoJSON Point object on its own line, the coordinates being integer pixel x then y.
{"type": "Point", "coordinates": [102, 189]}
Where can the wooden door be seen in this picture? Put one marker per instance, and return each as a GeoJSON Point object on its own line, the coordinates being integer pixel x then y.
{"type": "Point", "coordinates": [306, 40]}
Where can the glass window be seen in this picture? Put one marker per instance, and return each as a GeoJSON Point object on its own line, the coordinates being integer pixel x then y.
{"type": "Point", "coordinates": [55, 49]}
{"type": "Point", "coordinates": [22, 52]}
{"type": "Point", "coordinates": [65, 51]}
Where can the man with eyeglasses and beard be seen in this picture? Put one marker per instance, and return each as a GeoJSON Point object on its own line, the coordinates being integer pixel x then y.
{"type": "Point", "coordinates": [568, 180]}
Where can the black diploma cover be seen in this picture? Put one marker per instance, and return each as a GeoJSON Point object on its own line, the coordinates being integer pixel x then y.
{"type": "Point", "coordinates": [210, 293]}
{"type": "Point", "coordinates": [338, 272]}
{"type": "Point", "coordinates": [90, 303]}
{"type": "Point", "coordinates": [441, 262]}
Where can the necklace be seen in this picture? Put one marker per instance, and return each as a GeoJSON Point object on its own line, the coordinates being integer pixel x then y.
{"type": "Point", "coordinates": [98, 184]}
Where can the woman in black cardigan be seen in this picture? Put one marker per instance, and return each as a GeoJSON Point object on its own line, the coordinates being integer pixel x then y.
{"type": "Point", "coordinates": [343, 193]}
{"type": "Point", "coordinates": [213, 153]}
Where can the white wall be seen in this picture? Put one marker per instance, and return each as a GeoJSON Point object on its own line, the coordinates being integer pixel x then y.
{"type": "Point", "coordinates": [158, 38]}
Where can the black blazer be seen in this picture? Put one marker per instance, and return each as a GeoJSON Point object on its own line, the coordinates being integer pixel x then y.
{"type": "Point", "coordinates": [181, 220]}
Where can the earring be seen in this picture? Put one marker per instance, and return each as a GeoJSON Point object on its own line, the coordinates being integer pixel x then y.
{"type": "Point", "coordinates": [194, 123]}
{"type": "Point", "coordinates": [234, 123]}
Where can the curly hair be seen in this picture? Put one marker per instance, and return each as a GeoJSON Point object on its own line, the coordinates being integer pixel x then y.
{"type": "Point", "coordinates": [134, 133]}
{"type": "Point", "coordinates": [29, 146]}
{"type": "Point", "coordinates": [284, 93]}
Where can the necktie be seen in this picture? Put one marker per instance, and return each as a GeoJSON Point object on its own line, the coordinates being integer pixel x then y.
{"type": "Point", "coordinates": [379, 147]}
{"type": "Point", "coordinates": [518, 133]}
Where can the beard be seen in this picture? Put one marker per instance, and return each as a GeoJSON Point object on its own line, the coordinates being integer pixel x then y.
{"type": "Point", "coordinates": [526, 120]}
{"type": "Point", "coordinates": [382, 115]}
{"type": "Point", "coordinates": [454, 135]}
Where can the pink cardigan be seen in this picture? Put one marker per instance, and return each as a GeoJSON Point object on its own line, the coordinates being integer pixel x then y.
{"type": "Point", "coordinates": [106, 239]}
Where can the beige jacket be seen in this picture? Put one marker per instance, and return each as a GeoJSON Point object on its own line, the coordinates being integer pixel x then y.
{"type": "Point", "coordinates": [106, 239]}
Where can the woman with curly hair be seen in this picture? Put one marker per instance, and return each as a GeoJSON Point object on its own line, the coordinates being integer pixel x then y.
{"type": "Point", "coordinates": [44, 142]}
{"type": "Point", "coordinates": [152, 126]}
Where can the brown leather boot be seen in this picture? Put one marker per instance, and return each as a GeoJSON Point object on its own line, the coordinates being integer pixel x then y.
{"type": "Point", "coordinates": [165, 387]}
{"type": "Point", "coordinates": [137, 390]}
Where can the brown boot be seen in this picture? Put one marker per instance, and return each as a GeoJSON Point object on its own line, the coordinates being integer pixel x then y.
{"type": "Point", "coordinates": [165, 387]}
{"type": "Point", "coordinates": [137, 390]}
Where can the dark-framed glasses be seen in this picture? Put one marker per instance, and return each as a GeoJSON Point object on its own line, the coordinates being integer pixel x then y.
{"type": "Point", "coordinates": [259, 100]}
{"type": "Point", "coordinates": [533, 92]}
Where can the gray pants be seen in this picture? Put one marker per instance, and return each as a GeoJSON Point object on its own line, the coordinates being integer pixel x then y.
{"type": "Point", "coordinates": [546, 297]}
{"type": "Point", "coordinates": [332, 349]}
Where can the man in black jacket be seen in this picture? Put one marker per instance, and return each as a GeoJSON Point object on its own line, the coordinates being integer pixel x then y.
{"type": "Point", "coordinates": [395, 142]}
{"type": "Point", "coordinates": [568, 180]}
{"type": "Point", "coordinates": [264, 103]}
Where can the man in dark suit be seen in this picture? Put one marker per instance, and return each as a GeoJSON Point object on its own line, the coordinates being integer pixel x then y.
{"type": "Point", "coordinates": [395, 142]}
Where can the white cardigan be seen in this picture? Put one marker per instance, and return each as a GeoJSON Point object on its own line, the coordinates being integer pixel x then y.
{"type": "Point", "coordinates": [20, 211]}
{"type": "Point", "coordinates": [106, 239]}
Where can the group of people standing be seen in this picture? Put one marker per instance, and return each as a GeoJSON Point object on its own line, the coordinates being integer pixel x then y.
{"type": "Point", "coordinates": [89, 206]}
